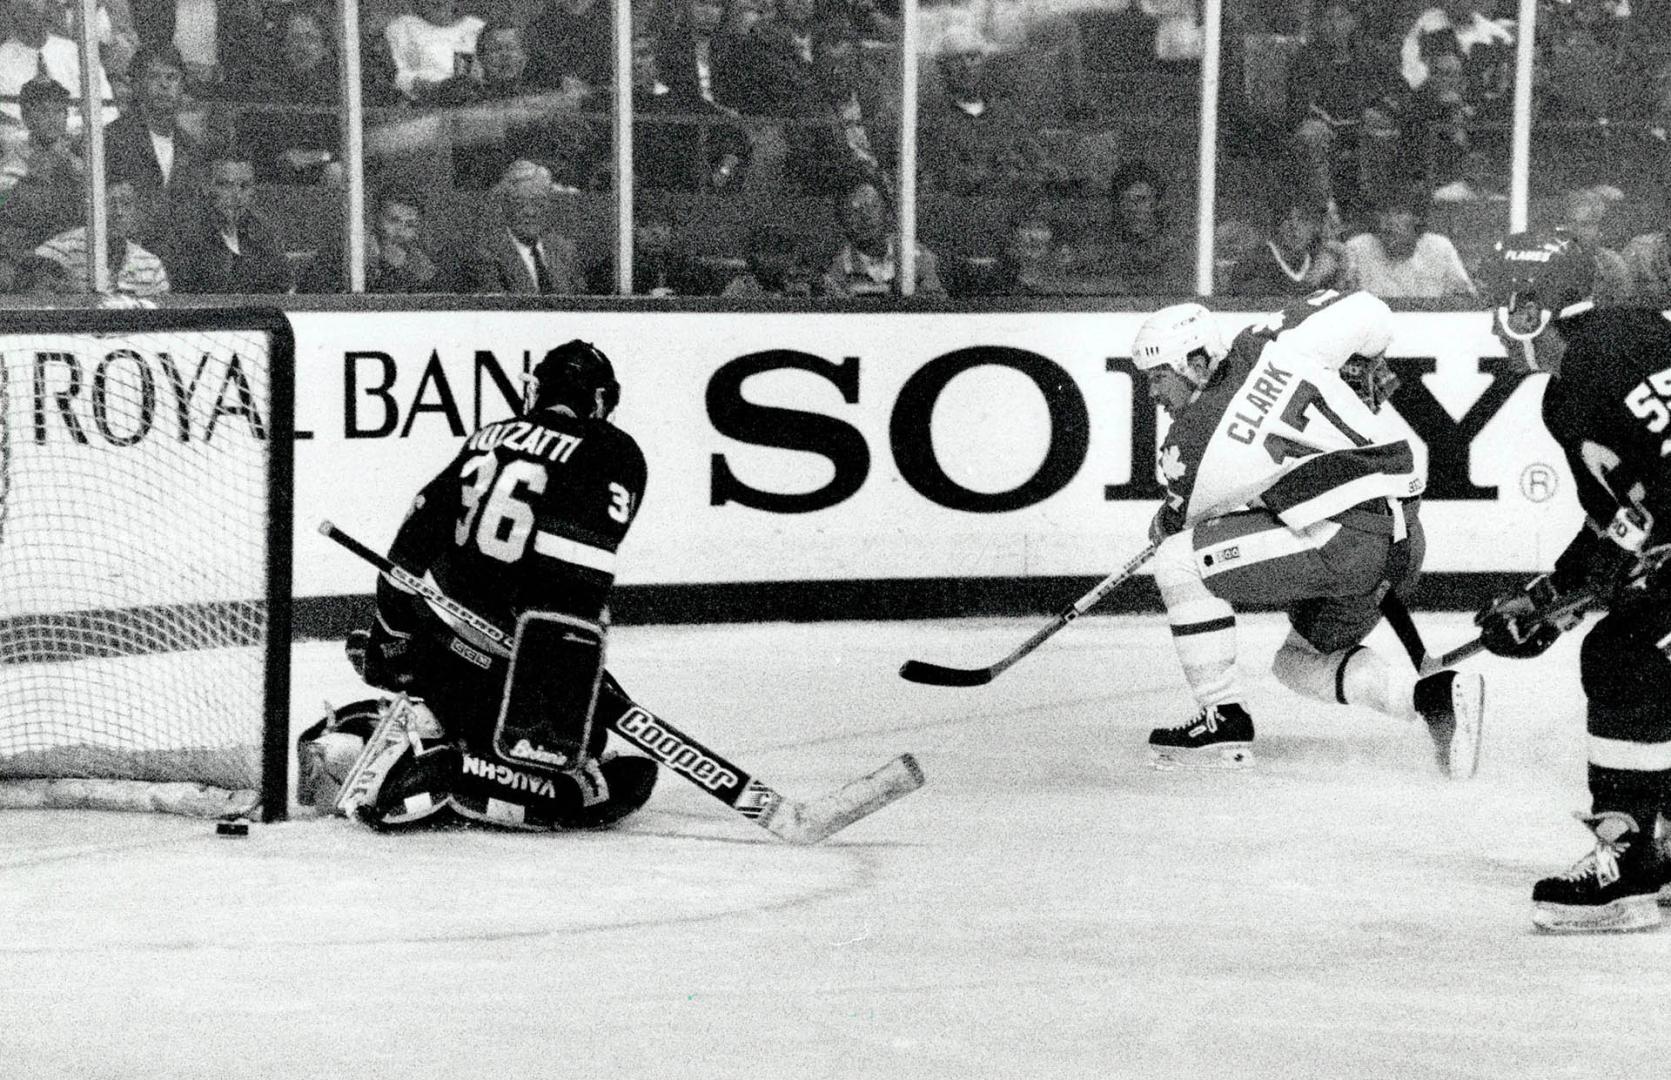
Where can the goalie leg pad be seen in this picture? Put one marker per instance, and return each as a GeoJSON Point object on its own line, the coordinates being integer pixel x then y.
{"type": "Point", "coordinates": [595, 797]}
{"type": "Point", "coordinates": [545, 715]}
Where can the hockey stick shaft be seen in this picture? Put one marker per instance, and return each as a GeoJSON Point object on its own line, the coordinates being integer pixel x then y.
{"type": "Point", "coordinates": [1569, 609]}
{"type": "Point", "coordinates": [920, 671]}
{"type": "Point", "coordinates": [731, 784]}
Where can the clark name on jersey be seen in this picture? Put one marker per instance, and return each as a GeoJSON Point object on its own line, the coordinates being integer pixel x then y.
{"type": "Point", "coordinates": [1276, 425]}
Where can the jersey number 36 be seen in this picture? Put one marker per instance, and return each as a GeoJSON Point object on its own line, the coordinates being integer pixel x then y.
{"type": "Point", "coordinates": [504, 522]}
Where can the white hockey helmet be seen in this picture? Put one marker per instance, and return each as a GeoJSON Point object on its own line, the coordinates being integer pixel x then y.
{"type": "Point", "coordinates": [1173, 335]}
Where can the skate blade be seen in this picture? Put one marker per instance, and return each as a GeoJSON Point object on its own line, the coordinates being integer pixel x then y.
{"type": "Point", "coordinates": [1468, 708]}
{"type": "Point", "coordinates": [1621, 916]}
{"type": "Point", "coordinates": [1223, 757]}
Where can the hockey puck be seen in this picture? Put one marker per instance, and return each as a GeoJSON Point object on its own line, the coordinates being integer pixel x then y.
{"type": "Point", "coordinates": [231, 828]}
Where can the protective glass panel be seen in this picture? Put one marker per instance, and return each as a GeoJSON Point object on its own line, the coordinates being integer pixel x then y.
{"type": "Point", "coordinates": [1059, 147]}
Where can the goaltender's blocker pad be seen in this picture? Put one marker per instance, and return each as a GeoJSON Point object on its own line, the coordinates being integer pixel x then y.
{"type": "Point", "coordinates": [545, 715]}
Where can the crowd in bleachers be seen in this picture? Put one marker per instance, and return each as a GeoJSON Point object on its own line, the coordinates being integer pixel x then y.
{"type": "Point", "coordinates": [1363, 144]}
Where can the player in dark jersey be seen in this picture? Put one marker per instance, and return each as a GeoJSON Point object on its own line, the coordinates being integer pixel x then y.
{"type": "Point", "coordinates": [525, 521]}
{"type": "Point", "coordinates": [1608, 405]}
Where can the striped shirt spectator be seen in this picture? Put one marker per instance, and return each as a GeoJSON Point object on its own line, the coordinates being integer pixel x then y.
{"type": "Point", "coordinates": [137, 273]}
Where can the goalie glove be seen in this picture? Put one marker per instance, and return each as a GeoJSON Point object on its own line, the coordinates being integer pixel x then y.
{"type": "Point", "coordinates": [381, 657]}
{"type": "Point", "coordinates": [1527, 622]}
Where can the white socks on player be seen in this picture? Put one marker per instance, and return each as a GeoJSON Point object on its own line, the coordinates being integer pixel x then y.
{"type": "Point", "coordinates": [1364, 678]}
{"type": "Point", "coordinates": [1203, 626]}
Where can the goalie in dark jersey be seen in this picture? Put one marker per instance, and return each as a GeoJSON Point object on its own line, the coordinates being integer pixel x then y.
{"type": "Point", "coordinates": [521, 528]}
{"type": "Point", "coordinates": [1608, 405]}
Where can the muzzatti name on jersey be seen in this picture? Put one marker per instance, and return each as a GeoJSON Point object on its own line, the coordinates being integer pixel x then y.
{"type": "Point", "coordinates": [1267, 385]}
{"type": "Point", "coordinates": [526, 437]}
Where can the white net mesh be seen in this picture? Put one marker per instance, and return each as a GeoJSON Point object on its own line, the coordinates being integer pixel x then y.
{"type": "Point", "coordinates": [133, 555]}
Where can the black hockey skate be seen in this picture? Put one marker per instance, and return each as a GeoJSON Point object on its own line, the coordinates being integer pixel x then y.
{"type": "Point", "coordinates": [1453, 704]}
{"type": "Point", "coordinates": [1220, 737]}
{"type": "Point", "coordinates": [1614, 888]}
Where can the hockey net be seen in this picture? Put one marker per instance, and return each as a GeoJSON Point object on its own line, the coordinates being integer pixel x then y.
{"type": "Point", "coordinates": [145, 479]}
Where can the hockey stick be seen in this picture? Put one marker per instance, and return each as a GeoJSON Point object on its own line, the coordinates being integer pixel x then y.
{"type": "Point", "coordinates": [1567, 613]}
{"type": "Point", "coordinates": [921, 671]}
{"type": "Point", "coordinates": [787, 819]}
{"type": "Point", "coordinates": [1398, 617]}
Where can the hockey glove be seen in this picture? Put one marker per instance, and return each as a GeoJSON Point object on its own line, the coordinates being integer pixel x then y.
{"type": "Point", "coordinates": [381, 657]}
{"type": "Point", "coordinates": [1167, 520]}
{"type": "Point", "coordinates": [1515, 625]}
{"type": "Point", "coordinates": [1603, 561]}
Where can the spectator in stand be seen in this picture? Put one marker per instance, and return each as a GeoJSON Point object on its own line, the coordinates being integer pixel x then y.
{"type": "Point", "coordinates": [763, 59]}
{"type": "Point", "coordinates": [1400, 258]}
{"type": "Point", "coordinates": [1140, 252]}
{"type": "Point", "coordinates": [661, 264]}
{"type": "Point", "coordinates": [685, 53]}
{"type": "Point", "coordinates": [133, 270]}
{"type": "Point", "coordinates": [36, 46]}
{"type": "Point", "coordinates": [513, 121]}
{"type": "Point", "coordinates": [1597, 64]}
{"type": "Point", "coordinates": [1648, 257]}
{"type": "Point", "coordinates": [569, 48]}
{"type": "Point", "coordinates": [853, 135]}
{"type": "Point", "coordinates": [519, 252]}
{"type": "Point", "coordinates": [1033, 262]}
{"type": "Point", "coordinates": [1587, 212]}
{"type": "Point", "coordinates": [147, 146]}
{"type": "Point", "coordinates": [867, 263]}
{"type": "Point", "coordinates": [223, 246]}
{"type": "Point", "coordinates": [302, 145]}
{"type": "Point", "coordinates": [1296, 257]}
{"type": "Point", "coordinates": [973, 143]}
{"type": "Point", "coordinates": [433, 50]}
{"type": "Point", "coordinates": [398, 259]}
{"type": "Point", "coordinates": [41, 277]}
{"type": "Point", "coordinates": [1461, 66]}
{"type": "Point", "coordinates": [670, 153]}
{"type": "Point", "coordinates": [776, 267]}
{"type": "Point", "coordinates": [1345, 99]}
{"type": "Point", "coordinates": [42, 174]}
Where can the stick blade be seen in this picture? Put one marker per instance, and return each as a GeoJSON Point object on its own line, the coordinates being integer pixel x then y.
{"type": "Point", "coordinates": [811, 822]}
{"type": "Point", "coordinates": [920, 671]}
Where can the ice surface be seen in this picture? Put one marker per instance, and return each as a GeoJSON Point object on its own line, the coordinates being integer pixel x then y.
{"type": "Point", "coordinates": [1048, 906]}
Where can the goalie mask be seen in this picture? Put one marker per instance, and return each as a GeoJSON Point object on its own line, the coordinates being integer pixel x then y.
{"type": "Point", "coordinates": [1183, 339]}
{"type": "Point", "coordinates": [1537, 279]}
{"type": "Point", "coordinates": [576, 375]}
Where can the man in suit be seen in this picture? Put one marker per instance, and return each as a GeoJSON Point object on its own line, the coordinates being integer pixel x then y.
{"type": "Point", "coordinates": [520, 253]}
{"type": "Point", "coordinates": [224, 246]}
{"type": "Point", "coordinates": [146, 146]}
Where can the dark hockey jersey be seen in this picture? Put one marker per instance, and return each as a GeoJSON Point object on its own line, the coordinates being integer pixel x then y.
{"type": "Point", "coordinates": [1610, 410]}
{"type": "Point", "coordinates": [528, 516]}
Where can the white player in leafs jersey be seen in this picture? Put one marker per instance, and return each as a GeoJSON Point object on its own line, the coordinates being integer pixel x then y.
{"type": "Point", "coordinates": [1287, 488]}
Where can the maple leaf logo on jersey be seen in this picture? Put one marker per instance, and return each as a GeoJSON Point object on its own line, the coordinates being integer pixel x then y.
{"type": "Point", "coordinates": [1170, 464]}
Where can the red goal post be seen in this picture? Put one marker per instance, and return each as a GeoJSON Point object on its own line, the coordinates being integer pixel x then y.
{"type": "Point", "coordinates": [146, 486]}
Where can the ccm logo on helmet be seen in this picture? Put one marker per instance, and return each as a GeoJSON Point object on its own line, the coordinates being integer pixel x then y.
{"type": "Point", "coordinates": [675, 752]}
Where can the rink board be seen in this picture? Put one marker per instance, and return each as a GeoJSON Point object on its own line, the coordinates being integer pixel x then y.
{"type": "Point", "coordinates": [888, 447]}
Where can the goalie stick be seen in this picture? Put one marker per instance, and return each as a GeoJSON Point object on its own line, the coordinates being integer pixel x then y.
{"type": "Point", "coordinates": [787, 819]}
{"type": "Point", "coordinates": [921, 671]}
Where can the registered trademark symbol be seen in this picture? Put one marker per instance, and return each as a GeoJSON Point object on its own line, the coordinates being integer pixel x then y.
{"type": "Point", "coordinates": [1538, 482]}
